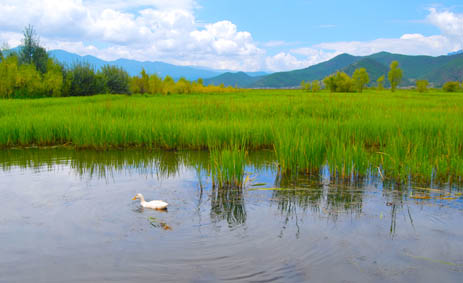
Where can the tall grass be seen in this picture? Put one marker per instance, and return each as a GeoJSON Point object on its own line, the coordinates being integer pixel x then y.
{"type": "Point", "coordinates": [400, 135]}
{"type": "Point", "coordinates": [227, 167]}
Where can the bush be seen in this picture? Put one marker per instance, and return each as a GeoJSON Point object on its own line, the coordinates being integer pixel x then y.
{"type": "Point", "coordinates": [422, 85]}
{"type": "Point", "coordinates": [315, 86]}
{"type": "Point", "coordinates": [451, 86]}
{"type": "Point", "coordinates": [306, 86]}
{"type": "Point", "coordinates": [339, 82]}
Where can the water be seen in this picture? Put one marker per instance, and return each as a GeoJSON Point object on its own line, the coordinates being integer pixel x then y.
{"type": "Point", "coordinates": [67, 216]}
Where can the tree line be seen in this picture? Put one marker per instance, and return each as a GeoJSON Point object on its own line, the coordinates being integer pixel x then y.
{"type": "Point", "coordinates": [342, 82]}
{"type": "Point", "coordinates": [30, 72]}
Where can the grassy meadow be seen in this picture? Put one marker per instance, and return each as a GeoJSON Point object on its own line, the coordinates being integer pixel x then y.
{"type": "Point", "coordinates": [395, 135]}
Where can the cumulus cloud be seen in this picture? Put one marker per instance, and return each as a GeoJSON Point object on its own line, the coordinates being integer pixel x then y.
{"type": "Point", "coordinates": [160, 30]}
{"type": "Point", "coordinates": [168, 31]}
{"type": "Point", "coordinates": [450, 39]}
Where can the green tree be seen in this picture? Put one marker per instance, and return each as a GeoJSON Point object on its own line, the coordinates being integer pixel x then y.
{"type": "Point", "coordinates": [31, 51]}
{"type": "Point", "coordinates": [330, 83]}
{"type": "Point", "coordinates": [380, 82]}
{"type": "Point", "coordinates": [451, 86]}
{"type": "Point", "coordinates": [116, 79]}
{"type": "Point", "coordinates": [395, 75]}
{"type": "Point", "coordinates": [361, 78]}
{"type": "Point", "coordinates": [200, 82]}
{"type": "Point", "coordinates": [8, 74]}
{"type": "Point", "coordinates": [155, 84]}
{"type": "Point", "coordinates": [85, 81]}
{"type": "Point", "coordinates": [306, 86]}
{"type": "Point", "coordinates": [53, 79]}
{"type": "Point", "coordinates": [422, 85]}
{"type": "Point", "coordinates": [183, 86]}
{"type": "Point", "coordinates": [140, 84]}
{"type": "Point", "coordinates": [339, 82]}
{"type": "Point", "coordinates": [168, 85]}
{"type": "Point", "coordinates": [315, 86]}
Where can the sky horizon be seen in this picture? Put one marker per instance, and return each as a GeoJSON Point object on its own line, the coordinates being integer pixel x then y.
{"type": "Point", "coordinates": [236, 35]}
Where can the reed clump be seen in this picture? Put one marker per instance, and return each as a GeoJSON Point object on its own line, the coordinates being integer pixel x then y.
{"type": "Point", "coordinates": [402, 135]}
{"type": "Point", "coordinates": [226, 167]}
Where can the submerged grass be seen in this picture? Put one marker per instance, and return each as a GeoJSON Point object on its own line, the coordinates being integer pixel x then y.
{"type": "Point", "coordinates": [401, 135]}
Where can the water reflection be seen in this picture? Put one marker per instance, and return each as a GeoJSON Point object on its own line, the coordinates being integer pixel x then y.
{"type": "Point", "coordinates": [313, 227]}
{"type": "Point", "coordinates": [318, 192]}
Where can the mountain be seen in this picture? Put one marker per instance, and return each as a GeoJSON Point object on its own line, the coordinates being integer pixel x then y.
{"type": "Point", "coordinates": [239, 79]}
{"type": "Point", "coordinates": [374, 68]}
{"type": "Point", "coordinates": [134, 67]}
{"type": "Point", "coordinates": [315, 72]}
{"type": "Point", "coordinates": [437, 70]}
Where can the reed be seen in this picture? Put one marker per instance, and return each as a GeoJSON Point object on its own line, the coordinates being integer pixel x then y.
{"type": "Point", "coordinates": [402, 135]}
{"type": "Point", "coordinates": [226, 167]}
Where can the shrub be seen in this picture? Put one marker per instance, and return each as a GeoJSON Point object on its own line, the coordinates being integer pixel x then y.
{"type": "Point", "coordinates": [451, 86]}
{"type": "Point", "coordinates": [306, 86]}
{"type": "Point", "coordinates": [339, 82]}
{"type": "Point", "coordinates": [315, 86]}
{"type": "Point", "coordinates": [422, 85]}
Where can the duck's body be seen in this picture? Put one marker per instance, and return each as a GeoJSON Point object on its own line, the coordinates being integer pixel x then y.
{"type": "Point", "coordinates": [154, 204]}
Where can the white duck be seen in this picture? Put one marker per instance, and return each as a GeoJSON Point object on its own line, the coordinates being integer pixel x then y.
{"type": "Point", "coordinates": [154, 204]}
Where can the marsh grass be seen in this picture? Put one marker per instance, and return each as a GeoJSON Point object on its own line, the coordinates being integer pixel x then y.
{"type": "Point", "coordinates": [402, 135]}
{"type": "Point", "coordinates": [226, 167]}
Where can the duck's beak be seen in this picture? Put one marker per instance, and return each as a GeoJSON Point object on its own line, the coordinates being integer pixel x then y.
{"type": "Point", "coordinates": [134, 198]}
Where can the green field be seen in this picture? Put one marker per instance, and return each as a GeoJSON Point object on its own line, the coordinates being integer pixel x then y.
{"type": "Point", "coordinates": [395, 135]}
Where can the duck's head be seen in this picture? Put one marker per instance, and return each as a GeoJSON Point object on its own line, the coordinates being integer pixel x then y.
{"type": "Point", "coordinates": [137, 196]}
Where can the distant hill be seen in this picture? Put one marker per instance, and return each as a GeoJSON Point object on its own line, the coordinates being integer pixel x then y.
{"type": "Point", "coordinates": [436, 70]}
{"type": "Point", "coordinates": [239, 79]}
{"type": "Point", "coordinates": [315, 72]}
{"type": "Point", "coordinates": [374, 68]}
{"type": "Point", "coordinates": [134, 67]}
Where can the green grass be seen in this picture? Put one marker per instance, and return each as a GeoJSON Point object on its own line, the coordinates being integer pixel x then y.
{"type": "Point", "coordinates": [401, 134]}
{"type": "Point", "coordinates": [227, 167]}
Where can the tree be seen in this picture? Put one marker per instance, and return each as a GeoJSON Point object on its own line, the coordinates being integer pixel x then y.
{"type": "Point", "coordinates": [53, 79]}
{"type": "Point", "coordinates": [155, 84]}
{"type": "Point", "coordinates": [395, 75]}
{"type": "Point", "coordinates": [183, 86]}
{"type": "Point", "coordinates": [306, 86]}
{"type": "Point", "coordinates": [8, 76]}
{"type": "Point", "coordinates": [168, 85]}
{"type": "Point", "coordinates": [339, 82]}
{"type": "Point", "coordinates": [31, 51]}
{"type": "Point", "coordinates": [315, 86]}
{"type": "Point", "coordinates": [422, 85]}
{"type": "Point", "coordinates": [85, 81]}
{"type": "Point", "coordinates": [116, 79]}
{"type": "Point", "coordinates": [361, 78]}
{"type": "Point", "coordinates": [451, 86]}
{"type": "Point", "coordinates": [380, 82]}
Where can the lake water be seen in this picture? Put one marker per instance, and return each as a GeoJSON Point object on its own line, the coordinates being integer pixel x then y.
{"type": "Point", "coordinates": [68, 216]}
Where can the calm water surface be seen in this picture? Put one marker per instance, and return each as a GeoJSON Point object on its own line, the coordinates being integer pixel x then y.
{"type": "Point", "coordinates": [67, 216]}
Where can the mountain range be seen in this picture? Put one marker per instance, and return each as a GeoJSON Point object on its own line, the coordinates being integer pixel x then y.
{"type": "Point", "coordinates": [134, 67]}
{"type": "Point", "coordinates": [437, 70]}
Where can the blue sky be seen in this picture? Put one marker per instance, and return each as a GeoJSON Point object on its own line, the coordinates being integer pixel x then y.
{"type": "Point", "coordinates": [252, 35]}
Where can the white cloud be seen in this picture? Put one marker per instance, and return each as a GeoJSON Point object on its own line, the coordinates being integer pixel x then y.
{"type": "Point", "coordinates": [162, 30]}
{"type": "Point", "coordinates": [168, 31]}
{"type": "Point", "coordinates": [411, 44]}
{"type": "Point", "coordinates": [450, 39]}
